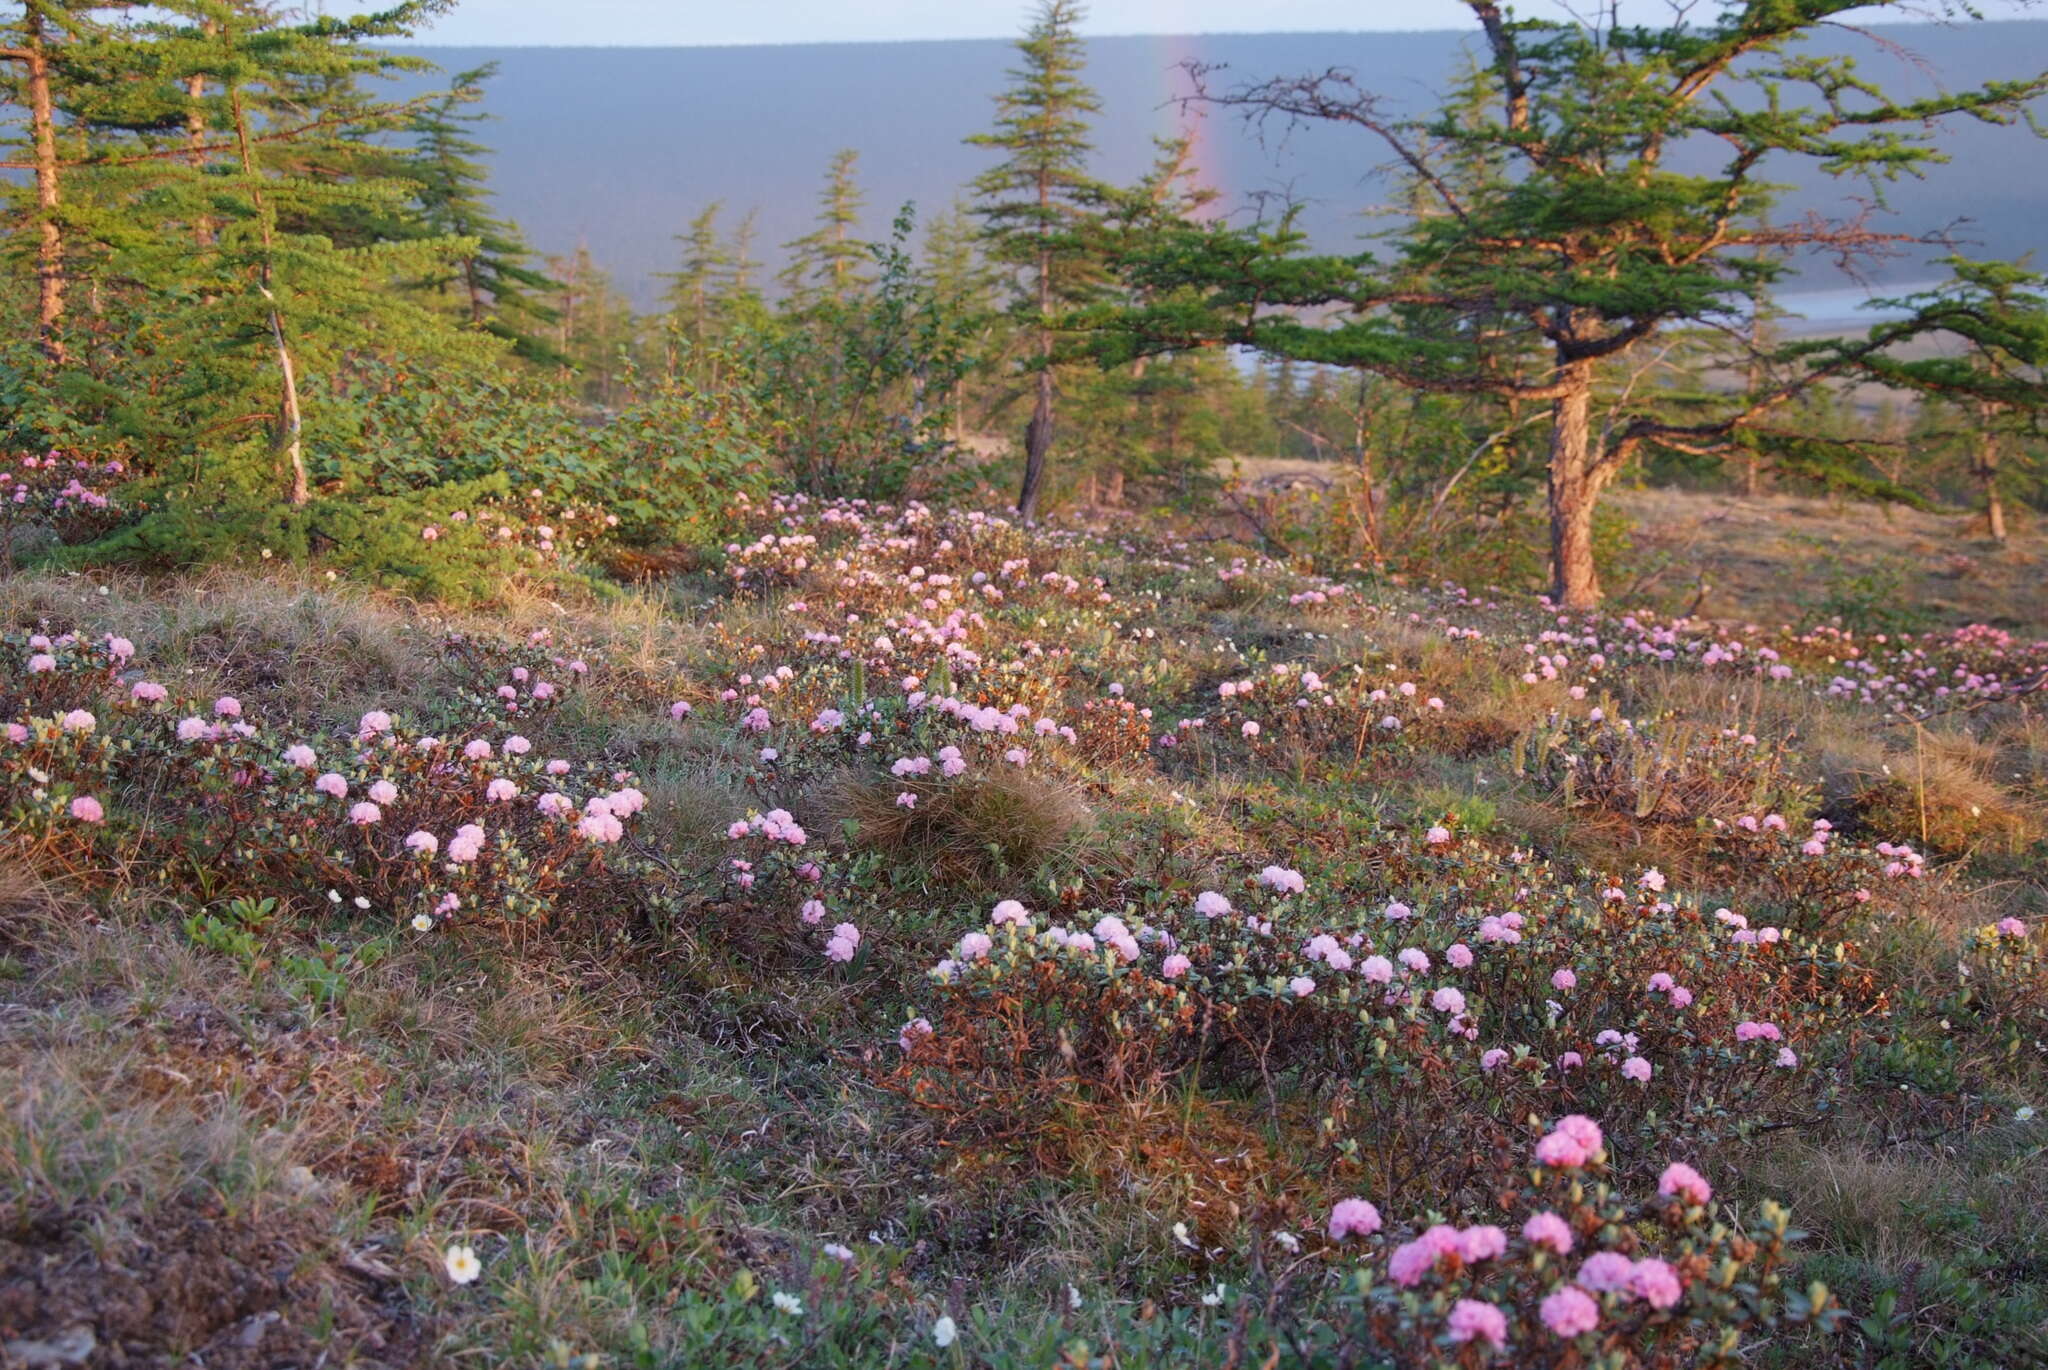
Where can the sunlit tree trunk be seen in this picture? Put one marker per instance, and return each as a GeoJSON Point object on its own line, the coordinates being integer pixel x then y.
{"type": "Point", "coordinates": [1575, 481]}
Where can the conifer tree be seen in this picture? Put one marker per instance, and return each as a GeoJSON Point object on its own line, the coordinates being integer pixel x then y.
{"type": "Point", "coordinates": [1585, 243]}
{"type": "Point", "coordinates": [498, 287]}
{"type": "Point", "coordinates": [693, 293]}
{"type": "Point", "coordinates": [1031, 202]}
{"type": "Point", "coordinates": [831, 260]}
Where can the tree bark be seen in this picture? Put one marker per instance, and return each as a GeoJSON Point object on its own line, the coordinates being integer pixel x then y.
{"type": "Point", "coordinates": [1987, 475]}
{"type": "Point", "coordinates": [1038, 433]}
{"type": "Point", "coordinates": [1575, 481]}
{"type": "Point", "coordinates": [290, 427]}
{"type": "Point", "coordinates": [50, 239]}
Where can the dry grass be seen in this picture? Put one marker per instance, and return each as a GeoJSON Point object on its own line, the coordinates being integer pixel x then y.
{"type": "Point", "coordinates": [978, 828]}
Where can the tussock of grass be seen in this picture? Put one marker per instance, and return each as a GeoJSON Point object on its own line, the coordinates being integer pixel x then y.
{"type": "Point", "coordinates": [998, 823]}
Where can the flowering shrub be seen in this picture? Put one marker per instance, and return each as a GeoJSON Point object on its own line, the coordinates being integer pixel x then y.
{"type": "Point", "coordinates": [416, 827]}
{"type": "Point", "coordinates": [1567, 1271]}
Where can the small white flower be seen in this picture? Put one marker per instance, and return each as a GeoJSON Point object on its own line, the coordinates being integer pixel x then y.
{"type": "Point", "coordinates": [788, 1303]}
{"type": "Point", "coordinates": [463, 1266]}
{"type": "Point", "coordinates": [1215, 1296]}
{"type": "Point", "coordinates": [422, 923]}
{"type": "Point", "coordinates": [362, 902]}
{"type": "Point", "coordinates": [1180, 1234]}
{"type": "Point", "coordinates": [334, 896]}
{"type": "Point", "coordinates": [1288, 1241]}
{"type": "Point", "coordinates": [944, 1331]}
{"type": "Point", "coordinates": [2023, 1114]}
{"type": "Point", "coordinates": [1073, 1298]}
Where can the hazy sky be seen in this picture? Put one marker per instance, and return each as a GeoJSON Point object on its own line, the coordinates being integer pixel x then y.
{"type": "Point", "coordinates": [695, 22]}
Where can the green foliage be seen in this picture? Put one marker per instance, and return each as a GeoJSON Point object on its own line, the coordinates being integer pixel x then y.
{"type": "Point", "coordinates": [854, 393]}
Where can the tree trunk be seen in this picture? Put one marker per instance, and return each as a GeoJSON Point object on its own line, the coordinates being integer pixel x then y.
{"type": "Point", "coordinates": [1987, 475]}
{"type": "Point", "coordinates": [1038, 433]}
{"type": "Point", "coordinates": [50, 243]}
{"type": "Point", "coordinates": [1037, 439]}
{"type": "Point", "coordinates": [1574, 490]}
{"type": "Point", "coordinates": [290, 427]}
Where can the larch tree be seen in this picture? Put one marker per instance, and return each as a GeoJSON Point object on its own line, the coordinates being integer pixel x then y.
{"type": "Point", "coordinates": [1584, 241]}
{"type": "Point", "coordinates": [1994, 372]}
{"type": "Point", "coordinates": [832, 259]}
{"type": "Point", "coordinates": [692, 295]}
{"type": "Point", "coordinates": [499, 287]}
{"type": "Point", "coordinates": [1033, 201]}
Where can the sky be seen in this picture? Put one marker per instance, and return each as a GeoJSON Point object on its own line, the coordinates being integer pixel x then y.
{"type": "Point", "coordinates": [644, 23]}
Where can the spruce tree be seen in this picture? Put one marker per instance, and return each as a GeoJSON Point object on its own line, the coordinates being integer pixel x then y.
{"type": "Point", "coordinates": [1031, 203]}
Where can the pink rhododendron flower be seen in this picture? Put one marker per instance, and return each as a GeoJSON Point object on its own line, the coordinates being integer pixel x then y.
{"type": "Point", "coordinates": [1570, 1311]}
{"type": "Point", "coordinates": [1353, 1217]}
{"type": "Point", "coordinates": [86, 809]}
{"type": "Point", "coordinates": [1548, 1229]}
{"type": "Point", "coordinates": [1686, 1183]}
{"type": "Point", "coordinates": [1472, 1320]}
{"type": "Point", "coordinates": [1606, 1272]}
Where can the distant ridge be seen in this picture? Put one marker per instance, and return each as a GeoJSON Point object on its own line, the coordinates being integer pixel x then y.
{"type": "Point", "coordinates": [618, 147]}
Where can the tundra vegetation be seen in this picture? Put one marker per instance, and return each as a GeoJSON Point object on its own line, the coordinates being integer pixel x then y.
{"type": "Point", "coordinates": [533, 834]}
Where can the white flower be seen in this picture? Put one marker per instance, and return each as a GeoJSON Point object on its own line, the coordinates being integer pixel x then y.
{"type": "Point", "coordinates": [463, 1266]}
{"type": "Point", "coordinates": [422, 923]}
{"type": "Point", "coordinates": [788, 1303]}
{"type": "Point", "coordinates": [1073, 1298]}
{"type": "Point", "coordinates": [2024, 1114]}
{"type": "Point", "coordinates": [1180, 1234]}
{"type": "Point", "coordinates": [362, 902]}
{"type": "Point", "coordinates": [1215, 1296]}
{"type": "Point", "coordinates": [944, 1331]}
{"type": "Point", "coordinates": [1288, 1241]}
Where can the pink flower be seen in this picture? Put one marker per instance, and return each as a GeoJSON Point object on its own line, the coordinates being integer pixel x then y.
{"type": "Point", "coordinates": [1606, 1272]}
{"type": "Point", "coordinates": [1447, 1000]}
{"type": "Point", "coordinates": [363, 815]}
{"type": "Point", "coordinates": [974, 946]}
{"type": "Point", "coordinates": [300, 756]}
{"type": "Point", "coordinates": [1412, 1260]}
{"type": "Point", "coordinates": [1570, 1311]}
{"type": "Point", "coordinates": [331, 785]}
{"type": "Point", "coordinates": [227, 706]}
{"type": "Point", "coordinates": [86, 809]}
{"type": "Point", "coordinates": [466, 845]}
{"type": "Point", "coordinates": [1481, 1243]}
{"type": "Point", "coordinates": [1174, 966]}
{"type": "Point", "coordinates": [1548, 1229]}
{"type": "Point", "coordinates": [1636, 1068]}
{"type": "Point", "coordinates": [1682, 1180]}
{"type": "Point", "coordinates": [1563, 979]}
{"type": "Point", "coordinates": [1353, 1217]}
{"type": "Point", "coordinates": [1655, 1283]}
{"type": "Point", "coordinates": [384, 792]}
{"type": "Point", "coordinates": [1302, 986]}
{"type": "Point", "coordinates": [1459, 955]}
{"type": "Point", "coordinates": [422, 842]}
{"type": "Point", "coordinates": [1492, 1058]}
{"type": "Point", "coordinates": [2012, 927]}
{"type": "Point", "coordinates": [1211, 904]}
{"type": "Point", "coordinates": [1470, 1319]}
{"type": "Point", "coordinates": [914, 1031]}
{"type": "Point", "coordinates": [1572, 1143]}
{"type": "Point", "coordinates": [1437, 836]}
{"type": "Point", "coordinates": [148, 692]}
{"type": "Point", "coordinates": [501, 790]}
{"type": "Point", "coordinates": [1282, 879]}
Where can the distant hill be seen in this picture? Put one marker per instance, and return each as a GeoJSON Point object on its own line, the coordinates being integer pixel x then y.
{"type": "Point", "coordinates": [618, 147]}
